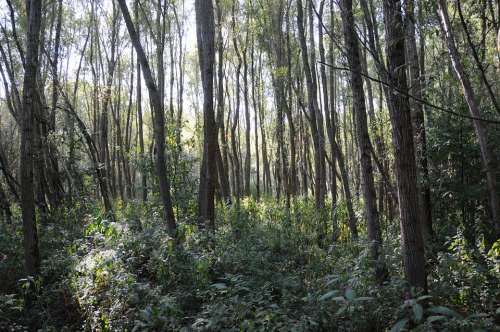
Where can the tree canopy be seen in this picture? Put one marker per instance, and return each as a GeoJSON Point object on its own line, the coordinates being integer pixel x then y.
{"type": "Point", "coordinates": [223, 165]}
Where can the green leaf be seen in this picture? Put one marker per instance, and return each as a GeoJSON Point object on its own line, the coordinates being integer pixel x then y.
{"type": "Point", "coordinates": [219, 285]}
{"type": "Point", "coordinates": [432, 319]}
{"type": "Point", "coordinates": [364, 298]}
{"type": "Point", "coordinates": [399, 326]}
{"type": "Point", "coordinates": [328, 295]}
{"type": "Point", "coordinates": [478, 315]}
{"type": "Point", "coordinates": [341, 311]}
{"type": "Point", "coordinates": [349, 294]}
{"type": "Point", "coordinates": [418, 312]}
{"type": "Point", "coordinates": [423, 297]}
{"type": "Point", "coordinates": [445, 311]}
{"type": "Point", "coordinates": [339, 299]}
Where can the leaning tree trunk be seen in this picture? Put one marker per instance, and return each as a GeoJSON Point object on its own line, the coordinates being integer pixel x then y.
{"type": "Point", "coordinates": [486, 153]}
{"type": "Point", "coordinates": [159, 120]}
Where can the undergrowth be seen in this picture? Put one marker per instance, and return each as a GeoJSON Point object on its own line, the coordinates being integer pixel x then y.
{"type": "Point", "coordinates": [264, 269]}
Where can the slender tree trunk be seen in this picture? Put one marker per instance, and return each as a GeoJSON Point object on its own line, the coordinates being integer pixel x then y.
{"type": "Point", "coordinates": [159, 121]}
{"type": "Point", "coordinates": [222, 163]}
{"type": "Point", "coordinates": [205, 31]}
{"type": "Point", "coordinates": [363, 138]}
{"type": "Point", "coordinates": [236, 117]}
{"type": "Point", "coordinates": [289, 110]}
{"type": "Point", "coordinates": [180, 102]}
{"type": "Point", "coordinates": [331, 128]}
{"type": "Point", "coordinates": [313, 110]}
{"type": "Point", "coordinates": [54, 178]}
{"type": "Point", "coordinates": [144, 173]}
{"type": "Point", "coordinates": [5, 205]}
{"type": "Point", "coordinates": [477, 60]}
{"type": "Point", "coordinates": [418, 121]}
{"type": "Point", "coordinates": [247, 119]}
{"type": "Point", "coordinates": [128, 133]}
{"type": "Point", "coordinates": [256, 127]}
{"type": "Point", "coordinates": [30, 102]}
{"type": "Point", "coordinates": [265, 159]}
{"type": "Point", "coordinates": [486, 152]}
{"type": "Point", "coordinates": [402, 136]}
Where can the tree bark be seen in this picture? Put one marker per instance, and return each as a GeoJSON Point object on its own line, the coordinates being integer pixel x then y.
{"type": "Point", "coordinates": [236, 116]}
{"type": "Point", "coordinates": [205, 31]}
{"type": "Point", "coordinates": [256, 127]}
{"type": "Point", "coordinates": [30, 103]}
{"type": "Point", "coordinates": [144, 173]}
{"type": "Point", "coordinates": [402, 137]}
{"type": "Point", "coordinates": [362, 135]}
{"type": "Point", "coordinates": [159, 121]}
{"type": "Point", "coordinates": [331, 129]}
{"type": "Point", "coordinates": [313, 110]}
{"type": "Point", "coordinates": [222, 158]}
{"type": "Point", "coordinates": [247, 118]}
{"type": "Point", "coordinates": [293, 178]}
{"type": "Point", "coordinates": [486, 153]}
{"type": "Point", "coordinates": [418, 121]}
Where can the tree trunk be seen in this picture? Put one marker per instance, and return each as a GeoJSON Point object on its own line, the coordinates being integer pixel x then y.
{"type": "Point", "coordinates": [411, 232]}
{"type": "Point", "coordinates": [236, 117]}
{"type": "Point", "coordinates": [30, 103]}
{"type": "Point", "coordinates": [144, 173]}
{"type": "Point", "coordinates": [293, 179]}
{"type": "Point", "coordinates": [247, 119]}
{"type": "Point", "coordinates": [331, 128]}
{"type": "Point", "coordinates": [256, 127]}
{"type": "Point", "coordinates": [418, 121]}
{"type": "Point", "coordinates": [313, 110]}
{"type": "Point", "coordinates": [205, 31]}
{"type": "Point", "coordinates": [53, 169]}
{"type": "Point", "coordinates": [363, 138]}
{"type": "Point", "coordinates": [486, 153]}
{"type": "Point", "coordinates": [5, 205]}
{"type": "Point", "coordinates": [159, 121]}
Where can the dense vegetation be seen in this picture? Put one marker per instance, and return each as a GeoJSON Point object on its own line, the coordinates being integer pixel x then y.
{"type": "Point", "coordinates": [233, 165]}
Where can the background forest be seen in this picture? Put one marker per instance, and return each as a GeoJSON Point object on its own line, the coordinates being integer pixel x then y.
{"type": "Point", "coordinates": [234, 165]}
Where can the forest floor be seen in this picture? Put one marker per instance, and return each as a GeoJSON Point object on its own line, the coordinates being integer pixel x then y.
{"type": "Point", "coordinates": [262, 270]}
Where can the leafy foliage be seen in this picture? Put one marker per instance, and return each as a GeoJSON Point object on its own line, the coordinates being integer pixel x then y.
{"type": "Point", "coordinates": [264, 272]}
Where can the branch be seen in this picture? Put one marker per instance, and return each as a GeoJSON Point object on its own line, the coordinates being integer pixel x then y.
{"type": "Point", "coordinates": [419, 100]}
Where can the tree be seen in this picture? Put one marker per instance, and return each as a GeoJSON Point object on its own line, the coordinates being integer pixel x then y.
{"type": "Point", "coordinates": [363, 138]}
{"type": "Point", "coordinates": [30, 103]}
{"type": "Point", "coordinates": [470, 97]}
{"type": "Point", "coordinates": [159, 120]}
{"type": "Point", "coordinates": [205, 32]}
{"type": "Point", "coordinates": [402, 139]}
{"type": "Point", "coordinates": [313, 110]}
{"type": "Point", "coordinates": [234, 139]}
{"type": "Point", "coordinates": [416, 83]}
{"type": "Point", "coordinates": [144, 173]}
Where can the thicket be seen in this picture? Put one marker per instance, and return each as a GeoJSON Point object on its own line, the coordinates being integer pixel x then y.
{"type": "Point", "coordinates": [263, 270]}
